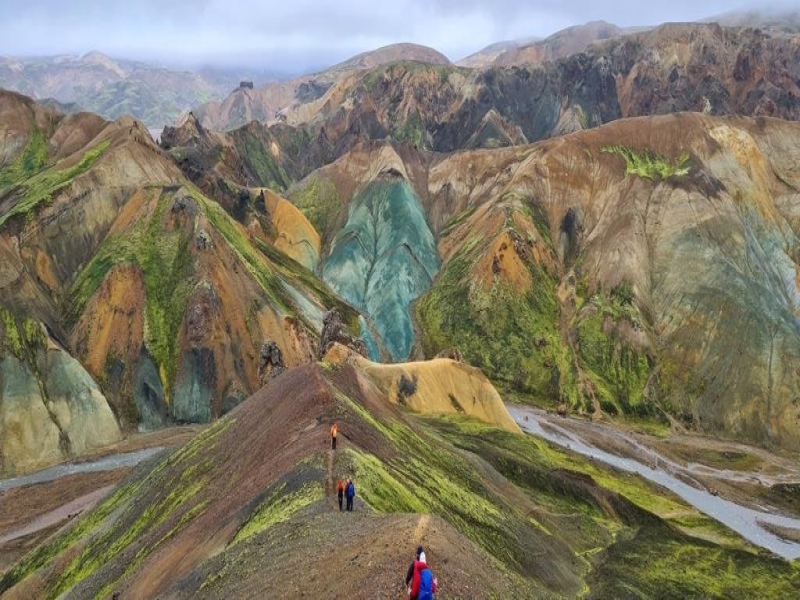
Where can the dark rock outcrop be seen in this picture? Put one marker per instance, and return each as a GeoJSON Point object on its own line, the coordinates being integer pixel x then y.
{"type": "Point", "coordinates": [270, 362]}
{"type": "Point", "coordinates": [333, 331]}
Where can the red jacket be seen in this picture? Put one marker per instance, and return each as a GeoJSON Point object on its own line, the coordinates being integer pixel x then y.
{"type": "Point", "coordinates": [418, 568]}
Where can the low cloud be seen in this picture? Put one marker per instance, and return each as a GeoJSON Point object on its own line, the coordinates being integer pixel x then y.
{"type": "Point", "coordinates": [303, 34]}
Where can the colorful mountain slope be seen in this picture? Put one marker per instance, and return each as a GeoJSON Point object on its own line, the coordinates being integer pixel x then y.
{"type": "Point", "coordinates": [251, 500]}
{"type": "Point", "coordinates": [383, 259]}
{"type": "Point", "coordinates": [642, 268]}
{"type": "Point", "coordinates": [159, 292]}
{"type": "Point", "coordinates": [672, 68]}
{"type": "Point", "coordinates": [267, 102]}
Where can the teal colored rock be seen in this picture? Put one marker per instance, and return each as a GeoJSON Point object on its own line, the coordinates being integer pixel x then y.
{"type": "Point", "coordinates": [373, 351]}
{"type": "Point", "coordinates": [383, 259]}
{"type": "Point", "coordinates": [195, 387]}
{"type": "Point", "coordinates": [148, 393]}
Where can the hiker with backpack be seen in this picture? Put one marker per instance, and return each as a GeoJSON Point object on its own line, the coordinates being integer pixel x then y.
{"type": "Point", "coordinates": [334, 433]}
{"type": "Point", "coordinates": [350, 493]}
{"type": "Point", "coordinates": [340, 492]}
{"type": "Point", "coordinates": [410, 573]}
{"type": "Point", "coordinates": [423, 583]}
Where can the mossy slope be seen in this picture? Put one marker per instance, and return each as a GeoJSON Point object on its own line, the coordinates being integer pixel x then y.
{"type": "Point", "coordinates": [551, 524]}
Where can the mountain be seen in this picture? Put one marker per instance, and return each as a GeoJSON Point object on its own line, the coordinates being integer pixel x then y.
{"type": "Point", "coordinates": [267, 102]}
{"type": "Point", "coordinates": [566, 272]}
{"type": "Point", "coordinates": [249, 504]}
{"type": "Point", "coordinates": [486, 56]}
{"type": "Point", "coordinates": [163, 297]}
{"type": "Point", "coordinates": [115, 88]}
{"type": "Point", "coordinates": [770, 20]}
{"type": "Point", "coordinates": [698, 67]}
{"type": "Point", "coordinates": [566, 42]}
{"type": "Point", "coordinates": [389, 54]}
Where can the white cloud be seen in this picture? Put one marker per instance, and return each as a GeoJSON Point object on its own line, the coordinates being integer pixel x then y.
{"type": "Point", "coordinates": [298, 34]}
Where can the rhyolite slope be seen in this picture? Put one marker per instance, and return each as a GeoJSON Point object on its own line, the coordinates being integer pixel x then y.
{"type": "Point", "coordinates": [50, 407]}
{"type": "Point", "coordinates": [383, 259]}
{"type": "Point", "coordinates": [641, 269]}
{"type": "Point", "coordinates": [250, 502]}
{"type": "Point", "coordinates": [161, 294]}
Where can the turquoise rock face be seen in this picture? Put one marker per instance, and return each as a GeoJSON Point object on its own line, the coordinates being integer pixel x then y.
{"type": "Point", "coordinates": [383, 259]}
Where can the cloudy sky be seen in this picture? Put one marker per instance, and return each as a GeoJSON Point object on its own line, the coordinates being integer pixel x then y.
{"type": "Point", "coordinates": [295, 35]}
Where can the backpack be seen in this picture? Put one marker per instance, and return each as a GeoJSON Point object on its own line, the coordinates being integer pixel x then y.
{"type": "Point", "coordinates": [425, 585]}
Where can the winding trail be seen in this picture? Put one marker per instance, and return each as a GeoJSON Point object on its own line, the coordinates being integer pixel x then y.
{"type": "Point", "coordinates": [747, 522]}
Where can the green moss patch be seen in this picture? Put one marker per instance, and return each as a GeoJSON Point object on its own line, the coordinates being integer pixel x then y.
{"type": "Point", "coordinates": [512, 335]}
{"type": "Point", "coordinates": [27, 163]}
{"type": "Point", "coordinates": [164, 258]}
{"type": "Point", "coordinates": [39, 188]}
{"type": "Point", "coordinates": [279, 506]}
{"type": "Point", "coordinates": [648, 164]}
{"type": "Point", "coordinates": [260, 160]}
{"type": "Point", "coordinates": [319, 201]}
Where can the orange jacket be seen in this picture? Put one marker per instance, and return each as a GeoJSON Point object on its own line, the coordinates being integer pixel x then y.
{"type": "Point", "coordinates": [334, 430]}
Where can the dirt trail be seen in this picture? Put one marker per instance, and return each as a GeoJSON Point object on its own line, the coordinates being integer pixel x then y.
{"type": "Point", "coordinates": [330, 485]}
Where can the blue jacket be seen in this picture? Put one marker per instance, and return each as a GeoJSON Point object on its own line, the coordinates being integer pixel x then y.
{"type": "Point", "coordinates": [351, 490]}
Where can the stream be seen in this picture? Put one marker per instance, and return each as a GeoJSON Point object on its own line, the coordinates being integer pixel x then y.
{"type": "Point", "coordinates": [743, 520]}
{"type": "Point", "coordinates": [107, 463]}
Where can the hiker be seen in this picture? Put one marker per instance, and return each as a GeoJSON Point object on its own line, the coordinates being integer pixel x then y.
{"type": "Point", "coordinates": [334, 432]}
{"type": "Point", "coordinates": [423, 583]}
{"type": "Point", "coordinates": [351, 493]}
{"type": "Point", "coordinates": [340, 491]}
{"type": "Point", "coordinates": [410, 573]}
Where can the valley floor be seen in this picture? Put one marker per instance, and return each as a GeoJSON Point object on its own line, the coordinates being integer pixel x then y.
{"type": "Point", "coordinates": [33, 507]}
{"type": "Point", "coordinates": [754, 492]}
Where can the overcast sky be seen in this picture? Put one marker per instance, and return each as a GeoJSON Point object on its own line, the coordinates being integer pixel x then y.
{"type": "Point", "coordinates": [296, 35]}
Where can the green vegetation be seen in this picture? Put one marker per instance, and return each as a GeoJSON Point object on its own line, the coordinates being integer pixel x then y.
{"type": "Point", "coordinates": [164, 259]}
{"type": "Point", "coordinates": [84, 527]}
{"type": "Point", "coordinates": [424, 477]}
{"type": "Point", "coordinates": [583, 119]}
{"type": "Point", "coordinates": [412, 130]}
{"type": "Point", "coordinates": [649, 164]}
{"type": "Point", "coordinates": [299, 274]}
{"type": "Point", "coordinates": [510, 333]}
{"type": "Point", "coordinates": [279, 506]}
{"type": "Point", "coordinates": [320, 203]}
{"type": "Point", "coordinates": [40, 188]}
{"type": "Point", "coordinates": [258, 157]}
{"type": "Point", "coordinates": [660, 563]}
{"type": "Point", "coordinates": [27, 163]}
{"type": "Point", "coordinates": [618, 370]}
{"type": "Point", "coordinates": [251, 258]}
{"type": "Point", "coordinates": [457, 219]}
{"type": "Point", "coordinates": [646, 557]}
{"type": "Point", "coordinates": [176, 480]}
{"type": "Point", "coordinates": [20, 339]}
{"type": "Point", "coordinates": [12, 341]}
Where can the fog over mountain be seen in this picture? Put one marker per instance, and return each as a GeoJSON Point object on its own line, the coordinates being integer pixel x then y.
{"type": "Point", "coordinates": [308, 34]}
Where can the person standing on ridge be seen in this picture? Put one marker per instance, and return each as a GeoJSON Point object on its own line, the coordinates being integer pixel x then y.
{"type": "Point", "coordinates": [351, 493]}
{"type": "Point", "coordinates": [334, 433]}
{"type": "Point", "coordinates": [423, 584]}
{"type": "Point", "coordinates": [340, 491]}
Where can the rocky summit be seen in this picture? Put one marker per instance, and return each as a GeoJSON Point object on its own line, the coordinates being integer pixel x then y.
{"type": "Point", "coordinates": [540, 306]}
